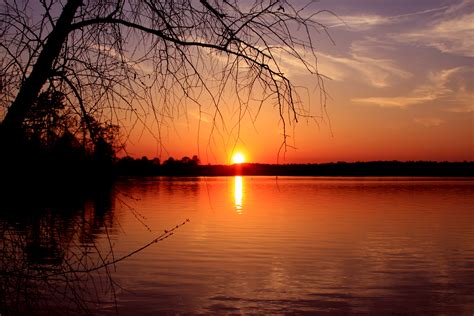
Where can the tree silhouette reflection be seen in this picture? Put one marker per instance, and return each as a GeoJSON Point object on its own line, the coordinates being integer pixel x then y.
{"type": "Point", "coordinates": [45, 244]}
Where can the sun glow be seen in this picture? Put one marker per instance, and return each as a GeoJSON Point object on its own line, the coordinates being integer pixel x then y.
{"type": "Point", "coordinates": [237, 158]}
{"type": "Point", "coordinates": [238, 193]}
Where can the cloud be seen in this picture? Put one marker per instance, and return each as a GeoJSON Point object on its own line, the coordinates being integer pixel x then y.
{"type": "Point", "coordinates": [460, 7]}
{"type": "Point", "coordinates": [467, 108]}
{"type": "Point", "coordinates": [378, 72]}
{"type": "Point", "coordinates": [203, 117]}
{"type": "Point", "coordinates": [448, 28]}
{"type": "Point", "coordinates": [292, 65]}
{"type": "Point", "coordinates": [453, 36]}
{"type": "Point", "coordinates": [353, 22]}
{"type": "Point", "coordinates": [452, 87]}
{"type": "Point", "coordinates": [451, 31]}
{"type": "Point", "coordinates": [357, 64]}
{"type": "Point", "coordinates": [428, 121]}
{"type": "Point", "coordinates": [457, 89]}
{"type": "Point", "coordinates": [464, 102]}
{"type": "Point", "coordinates": [394, 101]}
{"type": "Point", "coordinates": [363, 22]}
{"type": "Point", "coordinates": [143, 66]}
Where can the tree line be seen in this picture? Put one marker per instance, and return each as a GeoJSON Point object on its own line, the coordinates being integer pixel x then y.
{"type": "Point", "coordinates": [128, 166]}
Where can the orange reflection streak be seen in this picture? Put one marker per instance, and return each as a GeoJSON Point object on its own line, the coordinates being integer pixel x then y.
{"type": "Point", "coordinates": [238, 193]}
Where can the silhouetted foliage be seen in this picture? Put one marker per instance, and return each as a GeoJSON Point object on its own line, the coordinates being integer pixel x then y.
{"type": "Point", "coordinates": [188, 167]}
{"type": "Point", "coordinates": [56, 146]}
{"type": "Point", "coordinates": [128, 166]}
{"type": "Point", "coordinates": [85, 63]}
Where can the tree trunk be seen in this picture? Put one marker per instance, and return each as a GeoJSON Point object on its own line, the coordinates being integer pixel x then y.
{"type": "Point", "coordinates": [31, 87]}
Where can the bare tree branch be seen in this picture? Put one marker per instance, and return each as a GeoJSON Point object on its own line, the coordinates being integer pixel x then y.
{"type": "Point", "coordinates": [141, 58]}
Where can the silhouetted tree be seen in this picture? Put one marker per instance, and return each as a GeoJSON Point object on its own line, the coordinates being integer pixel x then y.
{"type": "Point", "coordinates": [169, 162]}
{"type": "Point", "coordinates": [195, 160]}
{"type": "Point", "coordinates": [49, 123]}
{"type": "Point", "coordinates": [185, 160]}
{"type": "Point", "coordinates": [110, 58]}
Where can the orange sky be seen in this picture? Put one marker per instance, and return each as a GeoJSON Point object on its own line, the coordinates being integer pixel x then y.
{"type": "Point", "coordinates": [401, 88]}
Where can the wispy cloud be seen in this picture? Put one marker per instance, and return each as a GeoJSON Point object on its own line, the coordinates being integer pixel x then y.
{"type": "Point", "coordinates": [454, 35]}
{"type": "Point", "coordinates": [428, 121]}
{"type": "Point", "coordinates": [203, 117]}
{"type": "Point", "coordinates": [448, 28]}
{"type": "Point", "coordinates": [464, 102]}
{"type": "Point", "coordinates": [448, 85]}
{"type": "Point", "coordinates": [362, 22]}
{"type": "Point", "coordinates": [353, 22]}
{"type": "Point", "coordinates": [378, 72]}
{"type": "Point", "coordinates": [110, 51]}
{"type": "Point", "coordinates": [463, 6]}
{"type": "Point", "coordinates": [394, 101]}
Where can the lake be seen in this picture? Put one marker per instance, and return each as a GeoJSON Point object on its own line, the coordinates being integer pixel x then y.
{"type": "Point", "coordinates": [267, 245]}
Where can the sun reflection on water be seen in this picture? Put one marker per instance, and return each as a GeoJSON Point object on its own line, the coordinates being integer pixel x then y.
{"type": "Point", "coordinates": [238, 193]}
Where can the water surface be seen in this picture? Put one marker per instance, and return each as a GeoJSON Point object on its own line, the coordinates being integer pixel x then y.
{"type": "Point", "coordinates": [283, 245]}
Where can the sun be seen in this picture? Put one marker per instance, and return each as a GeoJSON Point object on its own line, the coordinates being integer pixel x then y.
{"type": "Point", "coordinates": [238, 157]}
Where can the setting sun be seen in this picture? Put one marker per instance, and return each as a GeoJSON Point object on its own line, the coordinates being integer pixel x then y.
{"type": "Point", "coordinates": [238, 158]}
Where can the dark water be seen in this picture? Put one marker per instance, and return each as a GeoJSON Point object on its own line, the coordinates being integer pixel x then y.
{"type": "Point", "coordinates": [252, 245]}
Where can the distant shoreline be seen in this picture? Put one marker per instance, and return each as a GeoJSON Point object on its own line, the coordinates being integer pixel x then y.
{"type": "Point", "coordinates": [67, 181]}
{"type": "Point", "coordinates": [353, 169]}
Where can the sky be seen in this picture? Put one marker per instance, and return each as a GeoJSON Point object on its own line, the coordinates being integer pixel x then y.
{"type": "Point", "coordinates": [401, 86]}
